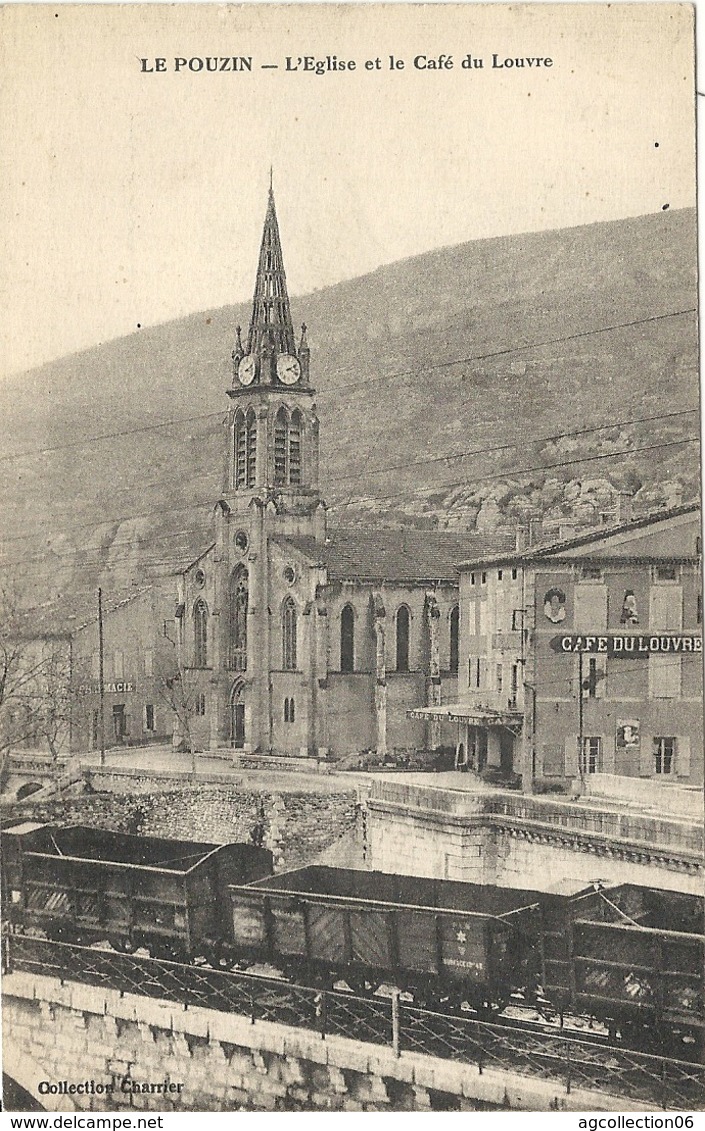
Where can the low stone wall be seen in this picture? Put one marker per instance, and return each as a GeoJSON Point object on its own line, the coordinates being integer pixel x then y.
{"type": "Point", "coordinates": [203, 1060]}
{"type": "Point", "coordinates": [663, 797]}
{"type": "Point", "coordinates": [517, 850]}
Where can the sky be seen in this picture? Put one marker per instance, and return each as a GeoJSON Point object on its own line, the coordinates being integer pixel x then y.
{"type": "Point", "coordinates": [132, 196]}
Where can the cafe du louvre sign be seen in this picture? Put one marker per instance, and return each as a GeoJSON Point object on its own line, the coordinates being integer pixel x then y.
{"type": "Point", "coordinates": [628, 645]}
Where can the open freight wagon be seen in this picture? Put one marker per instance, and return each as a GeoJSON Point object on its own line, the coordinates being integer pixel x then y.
{"type": "Point", "coordinates": [639, 958]}
{"type": "Point", "coordinates": [434, 938]}
{"type": "Point", "coordinates": [86, 885]}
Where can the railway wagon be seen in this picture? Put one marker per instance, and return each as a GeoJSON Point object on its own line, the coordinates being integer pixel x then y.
{"type": "Point", "coordinates": [437, 939]}
{"type": "Point", "coordinates": [638, 962]}
{"type": "Point", "coordinates": [85, 885]}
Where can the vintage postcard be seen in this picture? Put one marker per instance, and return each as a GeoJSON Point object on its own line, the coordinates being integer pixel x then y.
{"type": "Point", "coordinates": [351, 684]}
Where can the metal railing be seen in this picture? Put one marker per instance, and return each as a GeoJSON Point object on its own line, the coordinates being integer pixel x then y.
{"type": "Point", "coordinates": [570, 1063]}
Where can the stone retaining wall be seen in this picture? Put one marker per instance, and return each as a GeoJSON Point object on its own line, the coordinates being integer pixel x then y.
{"type": "Point", "coordinates": [297, 826]}
{"type": "Point", "coordinates": [210, 1061]}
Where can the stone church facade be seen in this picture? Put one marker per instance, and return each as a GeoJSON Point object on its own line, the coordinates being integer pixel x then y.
{"type": "Point", "coordinates": [301, 638]}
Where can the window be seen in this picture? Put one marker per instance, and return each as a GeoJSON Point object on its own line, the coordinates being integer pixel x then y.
{"type": "Point", "coordinates": [454, 639]}
{"type": "Point", "coordinates": [665, 573]}
{"type": "Point", "coordinates": [484, 579]}
{"type": "Point", "coordinates": [665, 608]}
{"type": "Point", "coordinates": [245, 448]}
{"type": "Point", "coordinates": [281, 428]}
{"type": "Point", "coordinates": [474, 672]}
{"type": "Point", "coordinates": [664, 755]}
{"type": "Point", "coordinates": [289, 635]}
{"type": "Point", "coordinates": [238, 619]}
{"type": "Point", "coordinates": [347, 639]}
{"type": "Point", "coordinates": [472, 578]}
{"type": "Point", "coordinates": [590, 608]}
{"type": "Point", "coordinates": [200, 704]}
{"type": "Point", "coordinates": [295, 448]}
{"type": "Point", "coordinates": [515, 686]}
{"type": "Point", "coordinates": [499, 677]}
{"type": "Point", "coordinates": [148, 661]}
{"type": "Point", "coordinates": [590, 684]}
{"type": "Point", "coordinates": [149, 716]}
{"type": "Point", "coordinates": [200, 631]}
{"type": "Point", "coordinates": [500, 574]}
{"type": "Point", "coordinates": [591, 573]}
{"type": "Point", "coordinates": [118, 665]}
{"type": "Point", "coordinates": [289, 711]}
{"type": "Point", "coordinates": [403, 618]}
{"type": "Point", "coordinates": [664, 677]}
{"type": "Point", "coordinates": [514, 574]}
{"type": "Point", "coordinates": [592, 754]}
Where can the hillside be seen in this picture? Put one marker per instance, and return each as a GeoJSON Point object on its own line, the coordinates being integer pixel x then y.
{"type": "Point", "coordinates": [484, 347]}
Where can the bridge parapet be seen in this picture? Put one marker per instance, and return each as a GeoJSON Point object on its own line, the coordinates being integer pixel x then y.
{"type": "Point", "coordinates": [668, 831]}
{"type": "Point", "coordinates": [351, 1056]}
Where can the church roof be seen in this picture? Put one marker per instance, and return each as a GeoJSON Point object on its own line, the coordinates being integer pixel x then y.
{"type": "Point", "coordinates": [358, 553]}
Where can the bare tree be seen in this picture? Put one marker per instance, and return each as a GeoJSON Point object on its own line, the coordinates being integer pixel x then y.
{"type": "Point", "coordinates": [36, 687]}
{"type": "Point", "coordinates": [179, 692]}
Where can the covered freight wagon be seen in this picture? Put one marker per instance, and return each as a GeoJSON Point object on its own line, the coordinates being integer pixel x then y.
{"type": "Point", "coordinates": [435, 938]}
{"type": "Point", "coordinates": [86, 885]}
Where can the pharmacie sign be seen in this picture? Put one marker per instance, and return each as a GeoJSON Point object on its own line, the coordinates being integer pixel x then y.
{"type": "Point", "coordinates": [109, 688]}
{"type": "Point", "coordinates": [625, 644]}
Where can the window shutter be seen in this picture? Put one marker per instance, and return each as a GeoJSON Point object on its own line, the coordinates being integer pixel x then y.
{"type": "Point", "coordinates": [646, 757]}
{"type": "Point", "coordinates": [590, 607]}
{"type": "Point", "coordinates": [553, 759]}
{"type": "Point", "coordinates": [472, 618]}
{"type": "Point", "coordinates": [666, 608]}
{"type": "Point", "coordinates": [570, 747]}
{"type": "Point", "coordinates": [683, 756]}
{"type": "Point", "coordinates": [609, 754]}
{"type": "Point", "coordinates": [144, 718]}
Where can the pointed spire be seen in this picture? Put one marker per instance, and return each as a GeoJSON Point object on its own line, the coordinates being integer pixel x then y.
{"type": "Point", "coordinates": [271, 329]}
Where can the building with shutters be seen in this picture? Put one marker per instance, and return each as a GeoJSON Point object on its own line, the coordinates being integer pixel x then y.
{"type": "Point", "coordinates": [138, 663]}
{"type": "Point", "coordinates": [585, 656]}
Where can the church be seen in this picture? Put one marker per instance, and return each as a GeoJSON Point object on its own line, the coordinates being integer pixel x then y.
{"type": "Point", "coordinates": [295, 636]}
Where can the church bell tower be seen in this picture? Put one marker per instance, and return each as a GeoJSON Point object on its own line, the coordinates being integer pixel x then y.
{"type": "Point", "coordinates": [272, 423]}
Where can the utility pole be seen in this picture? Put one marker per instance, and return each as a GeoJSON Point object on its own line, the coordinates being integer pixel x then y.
{"type": "Point", "coordinates": [101, 683]}
{"type": "Point", "coordinates": [581, 724]}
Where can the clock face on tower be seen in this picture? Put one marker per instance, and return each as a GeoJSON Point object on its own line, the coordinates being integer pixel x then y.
{"type": "Point", "coordinates": [288, 369]}
{"type": "Point", "coordinates": [246, 370]}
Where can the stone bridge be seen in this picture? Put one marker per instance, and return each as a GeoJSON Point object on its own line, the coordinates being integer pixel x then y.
{"type": "Point", "coordinates": [77, 1047]}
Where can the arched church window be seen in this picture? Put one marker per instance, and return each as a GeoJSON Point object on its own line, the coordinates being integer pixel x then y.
{"type": "Point", "coordinates": [403, 619]}
{"type": "Point", "coordinates": [289, 635]}
{"type": "Point", "coordinates": [251, 458]}
{"type": "Point", "coordinates": [454, 638]}
{"type": "Point", "coordinates": [281, 434]}
{"type": "Point", "coordinates": [347, 639]}
{"type": "Point", "coordinates": [240, 450]}
{"type": "Point", "coordinates": [200, 631]}
{"type": "Point", "coordinates": [238, 619]}
{"type": "Point", "coordinates": [295, 429]}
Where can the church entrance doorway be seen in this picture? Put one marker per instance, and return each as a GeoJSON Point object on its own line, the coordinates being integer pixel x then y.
{"type": "Point", "coordinates": [237, 717]}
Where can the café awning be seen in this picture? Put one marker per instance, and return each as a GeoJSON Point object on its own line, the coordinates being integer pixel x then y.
{"type": "Point", "coordinates": [474, 714]}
